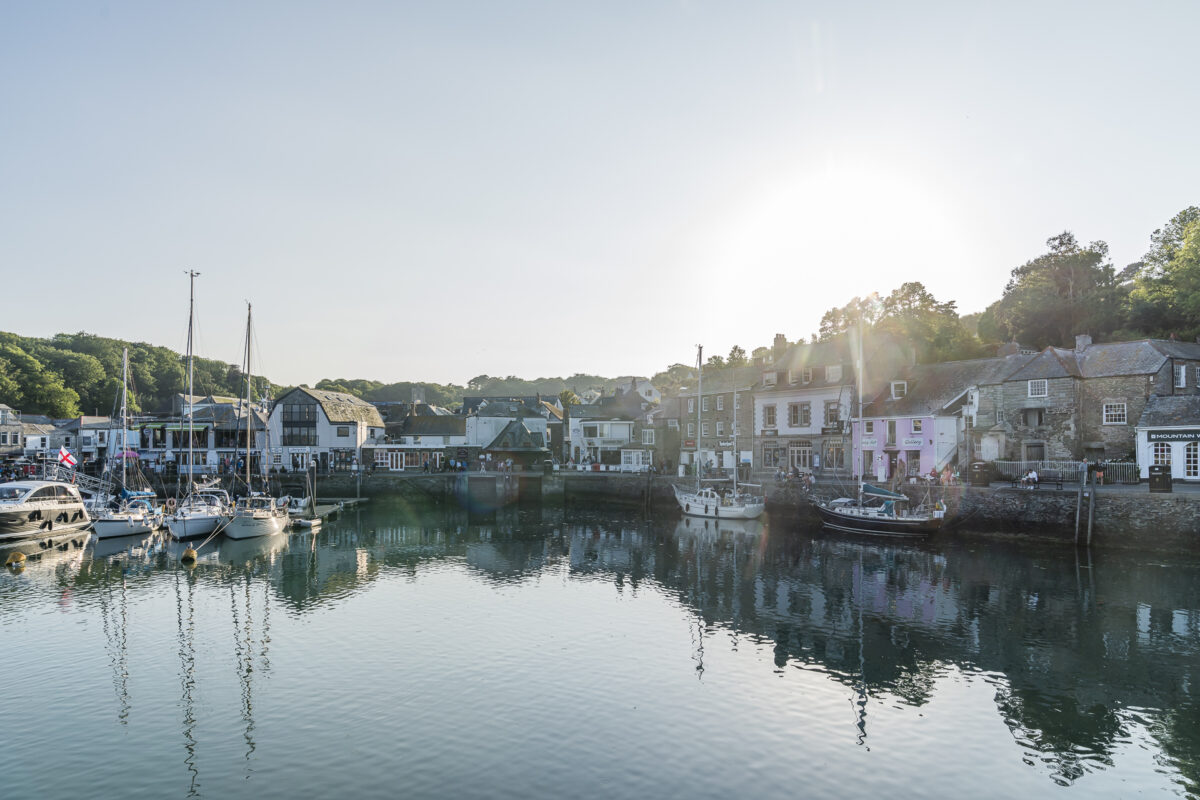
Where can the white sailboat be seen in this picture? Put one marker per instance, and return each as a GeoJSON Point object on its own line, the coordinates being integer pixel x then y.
{"type": "Point", "coordinates": [135, 515]}
{"type": "Point", "coordinates": [707, 501]}
{"type": "Point", "coordinates": [202, 510]}
{"type": "Point", "coordinates": [256, 514]}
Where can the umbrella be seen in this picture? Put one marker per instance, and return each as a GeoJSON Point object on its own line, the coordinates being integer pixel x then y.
{"type": "Point", "coordinates": [127, 454]}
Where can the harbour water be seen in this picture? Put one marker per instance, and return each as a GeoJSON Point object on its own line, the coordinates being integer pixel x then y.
{"type": "Point", "coordinates": [401, 652]}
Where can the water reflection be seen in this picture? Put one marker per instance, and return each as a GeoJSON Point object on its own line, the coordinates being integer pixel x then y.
{"type": "Point", "coordinates": [1085, 656]}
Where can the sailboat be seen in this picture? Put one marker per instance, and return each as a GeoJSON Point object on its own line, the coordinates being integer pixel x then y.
{"type": "Point", "coordinates": [136, 514]}
{"type": "Point", "coordinates": [875, 511]}
{"type": "Point", "coordinates": [203, 509]}
{"type": "Point", "coordinates": [256, 514]}
{"type": "Point", "coordinates": [706, 501]}
{"type": "Point", "coordinates": [308, 506]}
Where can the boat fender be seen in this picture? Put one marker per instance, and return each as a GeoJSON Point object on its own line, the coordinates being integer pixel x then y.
{"type": "Point", "coordinates": [705, 508]}
{"type": "Point", "coordinates": [171, 503]}
{"type": "Point", "coordinates": [687, 507]}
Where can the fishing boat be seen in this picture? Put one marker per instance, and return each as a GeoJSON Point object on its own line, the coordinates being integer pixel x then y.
{"type": "Point", "coordinates": [203, 510]}
{"type": "Point", "coordinates": [38, 509]}
{"type": "Point", "coordinates": [258, 513]}
{"type": "Point", "coordinates": [712, 500]}
{"type": "Point", "coordinates": [876, 511]}
{"type": "Point", "coordinates": [135, 512]}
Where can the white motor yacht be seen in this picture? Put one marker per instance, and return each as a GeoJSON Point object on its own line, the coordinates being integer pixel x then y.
{"type": "Point", "coordinates": [32, 509]}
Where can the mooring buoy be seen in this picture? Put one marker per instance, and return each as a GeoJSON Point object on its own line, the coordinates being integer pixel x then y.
{"type": "Point", "coordinates": [15, 558]}
{"type": "Point", "coordinates": [189, 555]}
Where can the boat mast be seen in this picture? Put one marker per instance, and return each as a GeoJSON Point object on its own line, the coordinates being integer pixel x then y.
{"type": "Point", "coordinates": [249, 407]}
{"type": "Point", "coordinates": [736, 459]}
{"type": "Point", "coordinates": [699, 403]}
{"type": "Point", "coordinates": [191, 388]}
{"type": "Point", "coordinates": [124, 415]}
{"type": "Point", "coordinates": [861, 424]}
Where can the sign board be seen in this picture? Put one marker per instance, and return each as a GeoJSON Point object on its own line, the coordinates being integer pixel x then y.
{"type": "Point", "coordinates": [870, 441]}
{"type": "Point", "coordinates": [725, 444]}
{"type": "Point", "coordinates": [689, 442]}
{"type": "Point", "coordinates": [915, 441]}
{"type": "Point", "coordinates": [1183, 435]}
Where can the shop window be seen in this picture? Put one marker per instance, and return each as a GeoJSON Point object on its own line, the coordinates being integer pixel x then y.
{"type": "Point", "coordinates": [1161, 454]}
{"type": "Point", "coordinates": [1191, 460]}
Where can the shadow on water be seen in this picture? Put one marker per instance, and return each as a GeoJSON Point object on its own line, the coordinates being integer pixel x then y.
{"type": "Point", "coordinates": [1084, 653]}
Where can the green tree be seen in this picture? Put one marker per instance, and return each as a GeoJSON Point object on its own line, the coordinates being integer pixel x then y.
{"type": "Point", "coordinates": [1166, 296]}
{"type": "Point", "coordinates": [1070, 289]}
{"type": "Point", "coordinates": [736, 357]}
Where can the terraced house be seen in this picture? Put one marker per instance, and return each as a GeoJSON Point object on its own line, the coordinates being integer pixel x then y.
{"type": "Point", "coordinates": [327, 427]}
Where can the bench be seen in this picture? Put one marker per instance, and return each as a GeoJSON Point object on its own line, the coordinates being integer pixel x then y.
{"type": "Point", "coordinates": [1046, 476]}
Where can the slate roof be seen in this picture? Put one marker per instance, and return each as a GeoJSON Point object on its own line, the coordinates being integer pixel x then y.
{"type": "Point", "coordinates": [342, 407]}
{"type": "Point", "coordinates": [725, 380]}
{"type": "Point", "coordinates": [531, 402]}
{"type": "Point", "coordinates": [517, 438]}
{"type": "Point", "coordinates": [1165, 411]}
{"type": "Point", "coordinates": [430, 426]}
{"type": "Point", "coordinates": [1111, 359]}
{"type": "Point", "coordinates": [930, 387]}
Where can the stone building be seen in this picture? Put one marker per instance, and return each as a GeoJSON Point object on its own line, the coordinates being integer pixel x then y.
{"type": "Point", "coordinates": [725, 411]}
{"type": "Point", "coordinates": [11, 440]}
{"type": "Point", "coordinates": [1085, 403]}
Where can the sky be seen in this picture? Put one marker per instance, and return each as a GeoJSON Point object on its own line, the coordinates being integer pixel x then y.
{"type": "Point", "coordinates": [434, 191]}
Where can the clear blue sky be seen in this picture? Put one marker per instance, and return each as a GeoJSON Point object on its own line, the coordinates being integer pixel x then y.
{"type": "Point", "coordinates": [433, 191]}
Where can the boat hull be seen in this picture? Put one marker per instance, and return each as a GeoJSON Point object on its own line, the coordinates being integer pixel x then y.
{"type": "Point", "coordinates": [191, 526]}
{"type": "Point", "coordinates": [36, 523]}
{"type": "Point", "coordinates": [695, 505]}
{"type": "Point", "coordinates": [851, 522]}
{"type": "Point", "coordinates": [249, 526]}
{"type": "Point", "coordinates": [126, 525]}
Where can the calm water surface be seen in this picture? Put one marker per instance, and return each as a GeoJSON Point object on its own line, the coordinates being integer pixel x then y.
{"type": "Point", "coordinates": [428, 654]}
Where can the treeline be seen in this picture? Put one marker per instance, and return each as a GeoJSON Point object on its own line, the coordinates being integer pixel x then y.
{"type": "Point", "coordinates": [78, 373]}
{"type": "Point", "coordinates": [451, 395]}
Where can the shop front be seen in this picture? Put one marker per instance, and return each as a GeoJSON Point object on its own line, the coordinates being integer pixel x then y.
{"type": "Point", "coordinates": [1175, 447]}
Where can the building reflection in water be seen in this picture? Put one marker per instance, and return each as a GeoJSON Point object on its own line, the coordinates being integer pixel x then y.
{"type": "Point", "coordinates": [1080, 653]}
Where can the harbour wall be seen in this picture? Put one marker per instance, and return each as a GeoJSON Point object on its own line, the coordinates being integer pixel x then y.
{"type": "Point", "coordinates": [1125, 517]}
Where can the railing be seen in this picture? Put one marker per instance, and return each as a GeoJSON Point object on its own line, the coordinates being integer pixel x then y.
{"type": "Point", "coordinates": [1071, 471]}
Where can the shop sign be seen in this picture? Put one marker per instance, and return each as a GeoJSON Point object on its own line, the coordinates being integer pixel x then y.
{"type": "Point", "coordinates": [870, 441]}
{"type": "Point", "coordinates": [725, 444]}
{"type": "Point", "coordinates": [1185, 435]}
{"type": "Point", "coordinates": [689, 442]}
{"type": "Point", "coordinates": [915, 441]}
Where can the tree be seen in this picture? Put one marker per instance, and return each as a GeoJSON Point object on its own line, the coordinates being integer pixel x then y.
{"type": "Point", "coordinates": [568, 398]}
{"type": "Point", "coordinates": [736, 357]}
{"type": "Point", "coordinates": [837, 321]}
{"type": "Point", "coordinates": [715, 362]}
{"type": "Point", "coordinates": [1166, 296]}
{"type": "Point", "coordinates": [933, 328]}
{"type": "Point", "coordinates": [1068, 290]}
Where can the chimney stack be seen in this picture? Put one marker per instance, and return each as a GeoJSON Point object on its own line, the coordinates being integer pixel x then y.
{"type": "Point", "coordinates": [780, 346]}
{"type": "Point", "coordinates": [1082, 342]}
{"type": "Point", "coordinates": [1008, 349]}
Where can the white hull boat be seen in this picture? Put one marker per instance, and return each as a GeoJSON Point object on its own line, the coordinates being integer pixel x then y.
{"type": "Point", "coordinates": [711, 504]}
{"type": "Point", "coordinates": [130, 521]}
{"type": "Point", "coordinates": [256, 516]}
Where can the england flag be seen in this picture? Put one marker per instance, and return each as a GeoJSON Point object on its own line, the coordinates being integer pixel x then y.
{"type": "Point", "coordinates": [65, 458]}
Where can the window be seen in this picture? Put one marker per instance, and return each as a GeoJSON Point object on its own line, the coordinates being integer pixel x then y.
{"type": "Point", "coordinates": [800, 415]}
{"type": "Point", "coordinates": [891, 431]}
{"type": "Point", "coordinates": [1180, 376]}
{"type": "Point", "coordinates": [704, 404]}
{"type": "Point", "coordinates": [917, 425]}
{"type": "Point", "coordinates": [691, 405]}
{"type": "Point", "coordinates": [737, 401]}
{"type": "Point", "coordinates": [869, 426]}
{"type": "Point", "coordinates": [4, 438]}
{"type": "Point", "coordinates": [768, 379]}
{"type": "Point", "coordinates": [1191, 460]}
{"type": "Point", "coordinates": [720, 428]}
{"type": "Point", "coordinates": [720, 402]}
{"type": "Point", "coordinates": [1161, 454]}
{"type": "Point", "coordinates": [672, 424]}
{"type": "Point", "coordinates": [704, 429]}
{"type": "Point", "coordinates": [691, 429]}
{"type": "Point", "coordinates": [647, 436]}
{"type": "Point", "coordinates": [806, 375]}
{"type": "Point", "coordinates": [833, 374]}
{"type": "Point", "coordinates": [1114, 414]}
{"type": "Point", "coordinates": [792, 376]}
{"type": "Point", "coordinates": [1033, 417]}
{"type": "Point", "coordinates": [768, 416]}
{"type": "Point", "coordinates": [381, 457]}
{"type": "Point", "coordinates": [1038, 388]}
{"type": "Point", "coordinates": [899, 389]}
{"type": "Point", "coordinates": [343, 431]}
{"type": "Point", "coordinates": [299, 413]}
{"type": "Point", "coordinates": [831, 412]}
{"type": "Point", "coordinates": [277, 458]}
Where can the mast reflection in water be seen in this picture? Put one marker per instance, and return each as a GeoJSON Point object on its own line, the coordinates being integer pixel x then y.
{"type": "Point", "coordinates": [532, 654]}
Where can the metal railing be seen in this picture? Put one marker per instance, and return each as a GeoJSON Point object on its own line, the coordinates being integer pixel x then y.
{"type": "Point", "coordinates": [1071, 471]}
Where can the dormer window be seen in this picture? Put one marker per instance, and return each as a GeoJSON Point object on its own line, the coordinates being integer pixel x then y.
{"type": "Point", "coordinates": [899, 389]}
{"type": "Point", "coordinates": [833, 374]}
{"type": "Point", "coordinates": [768, 379]}
{"type": "Point", "coordinates": [792, 377]}
{"type": "Point", "coordinates": [806, 375]}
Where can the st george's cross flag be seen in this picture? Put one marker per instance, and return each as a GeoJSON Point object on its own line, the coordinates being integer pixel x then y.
{"type": "Point", "coordinates": [65, 457]}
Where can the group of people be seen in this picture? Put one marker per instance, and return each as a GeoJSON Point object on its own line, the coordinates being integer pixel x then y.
{"type": "Point", "coordinates": [1030, 479]}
